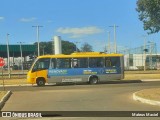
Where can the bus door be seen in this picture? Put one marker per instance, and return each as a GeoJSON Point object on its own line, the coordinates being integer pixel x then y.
{"type": "Point", "coordinates": [58, 70]}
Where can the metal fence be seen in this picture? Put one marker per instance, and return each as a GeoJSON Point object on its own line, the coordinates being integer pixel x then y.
{"type": "Point", "coordinates": [143, 57]}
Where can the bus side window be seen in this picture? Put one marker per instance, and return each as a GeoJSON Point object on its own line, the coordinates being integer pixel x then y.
{"type": "Point", "coordinates": [80, 62]}
{"type": "Point", "coordinates": [63, 63]}
{"type": "Point", "coordinates": [75, 63]}
{"type": "Point", "coordinates": [53, 63]}
{"type": "Point", "coordinates": [108, 62]}
{"type": "Point", "coordinates": [83, 63]}
{"type": "Point", "coordinates": [45, 63]}
{"type": "Point", "coordinates": [112, 62]}
{"type": "Point", "coordinates": [96, 62]}
{"type": "Point", "coordinates": [115, 61]}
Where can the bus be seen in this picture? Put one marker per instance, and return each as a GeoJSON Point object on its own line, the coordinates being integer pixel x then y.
{"type": "Point", "coordinates": [89, 67]}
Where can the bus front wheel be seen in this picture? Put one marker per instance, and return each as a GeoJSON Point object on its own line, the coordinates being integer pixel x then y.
{"type": "Point", "coordinates": [93, 80]}
{"type": "Point", "coordinates": [40, 82]}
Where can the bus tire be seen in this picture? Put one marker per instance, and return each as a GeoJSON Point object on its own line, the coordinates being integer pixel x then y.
{"type": "Point", "coordinates": [40, 82]}
{"type": "Point", "coordinates": [93, 80]}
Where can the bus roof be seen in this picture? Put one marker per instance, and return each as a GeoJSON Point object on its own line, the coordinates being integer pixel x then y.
{"type": "Point", "coordinates": [82, 55]}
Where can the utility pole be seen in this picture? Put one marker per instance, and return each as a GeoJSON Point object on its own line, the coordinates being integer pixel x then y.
{"type": "Point", "coordinates": [9, 71]}
{"type": "Point", "coordinates": [145, 50]}
{"type": "Point", "coordinates": [20, 43]}
{"type": "Point", "coordinates": [38, 37]}
{"type": "Point", "coordinates": [109, 46]}
{"type": "Point", "coordinates": [152, 44]}
{"type": "Point", "coordinates": [115, 43]}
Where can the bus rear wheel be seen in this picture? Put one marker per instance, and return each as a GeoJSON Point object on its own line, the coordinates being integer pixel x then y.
{"type": "Point", "coordinates": [93, 80]}
{"type": "Point", "coordinates": [40, 82]}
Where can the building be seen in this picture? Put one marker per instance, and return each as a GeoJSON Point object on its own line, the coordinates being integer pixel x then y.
{"type": "Point", "coordinates": [139, 61]}
{"type": "Point", "coordinates": [17, 55]}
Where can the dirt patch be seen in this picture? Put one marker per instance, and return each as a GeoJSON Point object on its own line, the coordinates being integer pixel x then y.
{"type": "Point", "coordinates": [13, 81]}
{"type": "Point", "coordinates": [141, 76]}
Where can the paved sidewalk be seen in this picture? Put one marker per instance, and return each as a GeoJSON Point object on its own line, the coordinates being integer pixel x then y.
{"type": "Point", "coordinates": [150, 96]}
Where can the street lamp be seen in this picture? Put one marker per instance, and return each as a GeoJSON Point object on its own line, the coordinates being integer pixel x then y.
{"type": "Point", "coordinates": [9, 71]}
{"type": "Point", "coordinates": [115, 43]}
{"type": "Point", "coordinates": [109, 46]}
{"type": "Point", "coordinates": [20, 43]}
{"type": "Point", "coordinates": [38, 37]}
{"type": "Point", "coordinates": [152, 44]}
{"type": "Point", "coordinates": [145, 50]}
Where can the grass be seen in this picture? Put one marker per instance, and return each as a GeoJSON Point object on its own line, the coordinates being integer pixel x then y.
{"type": "Point", "coordinates": [151, 94]}
{"type": "Point", "coordinates": [132, 75]}
{"type": "Point", "coordinates": [2, 93]}
{"type": "Point", "coordinates": [18, 81]}
{"type": "Point", "coordinates": [141, 76]}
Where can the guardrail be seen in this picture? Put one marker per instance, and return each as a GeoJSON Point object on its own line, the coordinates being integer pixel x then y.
{"type": "Point", "coordinates": [13, 75]}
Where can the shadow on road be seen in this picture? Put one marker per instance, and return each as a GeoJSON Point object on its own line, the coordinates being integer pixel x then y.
{"type": "Point", "coordinates": [106, 82]}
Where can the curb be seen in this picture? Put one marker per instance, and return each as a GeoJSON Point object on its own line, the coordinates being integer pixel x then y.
{"type": "Point", "coordinates": [144, 100]}
{"type": "Point", "coordinates": [17, 85]}
{"type": "Point", "coordinates": [4, 99]}
{"type": "Point", "coordinates": [25, 85]}
{"type": "Point", "coordinates": [150, 79]}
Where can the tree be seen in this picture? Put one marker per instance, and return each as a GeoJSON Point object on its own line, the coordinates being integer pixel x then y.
{"type": "Point", "coordinates": [68, 47]}
{"type": "Point", "coordinates": [86, 47]}
{"type": "Point", "coordinates": [45, 47]}
{"type": "Point", "coordinates": [149, 14]}
{"type": "Point", "coordinates": [48, 47]}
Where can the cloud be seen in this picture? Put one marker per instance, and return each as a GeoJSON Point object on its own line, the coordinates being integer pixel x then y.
{"type": "Point", "coordinates": [1, 18]}
{"type": "Point", "coordinates": [79, 32]}
{"type": "Point", "coordinates": [49, 21]}
{"type": "Point", "coordinates": [28, 19]}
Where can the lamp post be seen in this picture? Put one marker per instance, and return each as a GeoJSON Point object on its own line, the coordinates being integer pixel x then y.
{"type": "Point", "coordinates": [109, 46]}
{"type": "Point", "coordinates": [115, 43]}
{"type": "Point", "coordinates": [38, 37]}
{"type": "Point", "coordinates": [145, 50]}
{"type": "Point", "coordinates": [9, 71]}
{"type": "Point", "coordinates": [152, 44]}
{"type": "Point", "coordinates": [20, 43]}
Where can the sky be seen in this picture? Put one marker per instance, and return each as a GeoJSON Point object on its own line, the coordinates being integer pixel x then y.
{"type": "Point", "coordinates": [75, 21]}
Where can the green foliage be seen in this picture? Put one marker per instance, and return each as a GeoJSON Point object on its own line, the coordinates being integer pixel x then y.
{"type": "Point", "coordinates": [48, 47]}
{"type": "Point", "coordinates": [68, 47]}
{"type": "Point", "coordinates": [149, 14]}
{"type": "Point", "coordinates": [86, 47]}
{"type": "Point", "coordinates": [45, 48]}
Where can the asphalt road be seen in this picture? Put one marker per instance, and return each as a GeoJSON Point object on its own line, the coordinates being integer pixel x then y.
{"type": "Point", "coordinates": [101, 97]}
